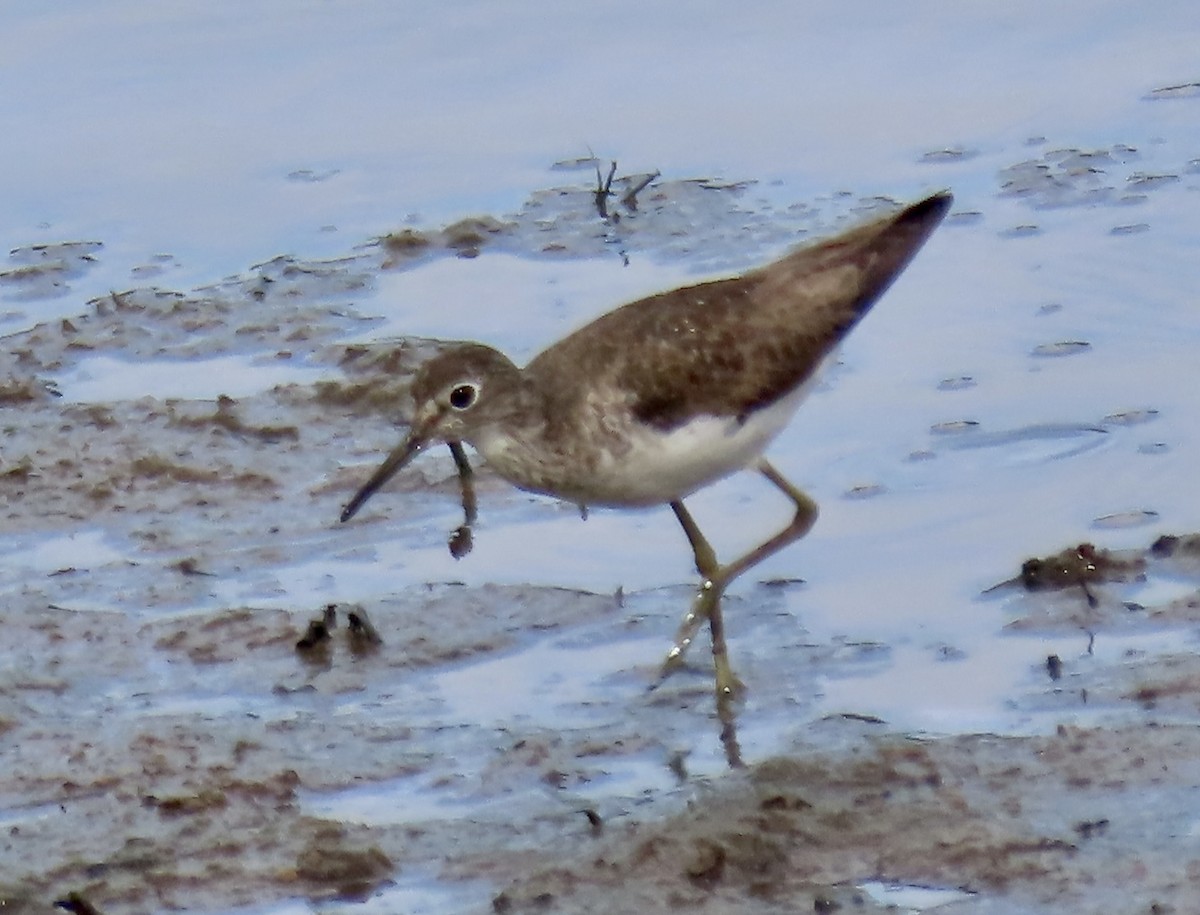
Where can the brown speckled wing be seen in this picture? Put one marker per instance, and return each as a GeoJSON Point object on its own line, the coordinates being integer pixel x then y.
{"type": "Point", "coordinates": [730, 347]}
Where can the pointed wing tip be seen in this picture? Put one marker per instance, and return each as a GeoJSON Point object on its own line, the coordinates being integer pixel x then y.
{"type": "Point", "coordinates": [932, 209]}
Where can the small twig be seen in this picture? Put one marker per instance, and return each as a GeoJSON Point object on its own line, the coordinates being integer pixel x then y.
{"type": "Point", "coordinates": [604, 189]}
{"type": "Point", "coordinates": [630, 196]}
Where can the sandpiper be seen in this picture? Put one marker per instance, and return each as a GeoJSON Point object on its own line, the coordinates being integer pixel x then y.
{"type": "Point", "coordinates": [662, 397]}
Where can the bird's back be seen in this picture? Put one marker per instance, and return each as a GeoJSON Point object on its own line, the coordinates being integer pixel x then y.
{"type": "Point", "coordinates": [731, 347]}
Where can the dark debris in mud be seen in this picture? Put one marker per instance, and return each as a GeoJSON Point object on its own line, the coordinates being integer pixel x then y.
{"type": "Point", "coordinates": [1073, 176]}
{"type": "Point", "coordinates": [985, 814]}
{"type": "Point", "coordinates": [1097, 589]}
{"type": "Point", "coordinates": [44, 271]}
{"type": "Point", "coordinates": [166, 739]}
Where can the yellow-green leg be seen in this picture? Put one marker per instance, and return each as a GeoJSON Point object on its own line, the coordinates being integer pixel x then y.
{"type": "Point", "coordinates": [715, 578]}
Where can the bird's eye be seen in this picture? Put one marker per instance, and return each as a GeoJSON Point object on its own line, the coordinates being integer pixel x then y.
{"type": "Point", "coordinates": [463, 396]}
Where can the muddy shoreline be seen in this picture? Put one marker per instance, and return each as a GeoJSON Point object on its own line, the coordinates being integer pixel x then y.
{"type": "Point", "coordinates": [166, 745]}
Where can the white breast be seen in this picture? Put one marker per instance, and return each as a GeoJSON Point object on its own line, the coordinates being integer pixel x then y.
{"type": "Point", "coordinates": [651, 466]}
{"type": "Point", "coordinates": [661, 467]}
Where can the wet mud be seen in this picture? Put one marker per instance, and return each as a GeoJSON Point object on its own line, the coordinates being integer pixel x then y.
{"type": "Point", "coordinates": [184, 726]}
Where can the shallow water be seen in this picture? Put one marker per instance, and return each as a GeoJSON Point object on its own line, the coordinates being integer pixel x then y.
{"type": "Point", "coordinates": [1027, 385]}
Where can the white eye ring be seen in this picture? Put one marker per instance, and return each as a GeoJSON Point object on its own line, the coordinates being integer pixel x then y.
{"type": "Point", "coordinates": [463, 396]}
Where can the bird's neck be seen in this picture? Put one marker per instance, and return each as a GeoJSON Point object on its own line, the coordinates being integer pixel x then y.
{"type": "Point", "coordinates": [511, 435]}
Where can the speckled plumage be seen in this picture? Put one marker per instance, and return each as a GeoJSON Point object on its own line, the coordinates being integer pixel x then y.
{"type": "Point", "coordinates": [584, 420]}
{"type": "Point", "coordinates": [665, 395]}
{"type": "Point", "coordinates": [732, 346]}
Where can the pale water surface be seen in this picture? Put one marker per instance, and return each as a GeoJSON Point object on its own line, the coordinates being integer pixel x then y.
{"type": "Point", "coordinates": [965, 429]}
